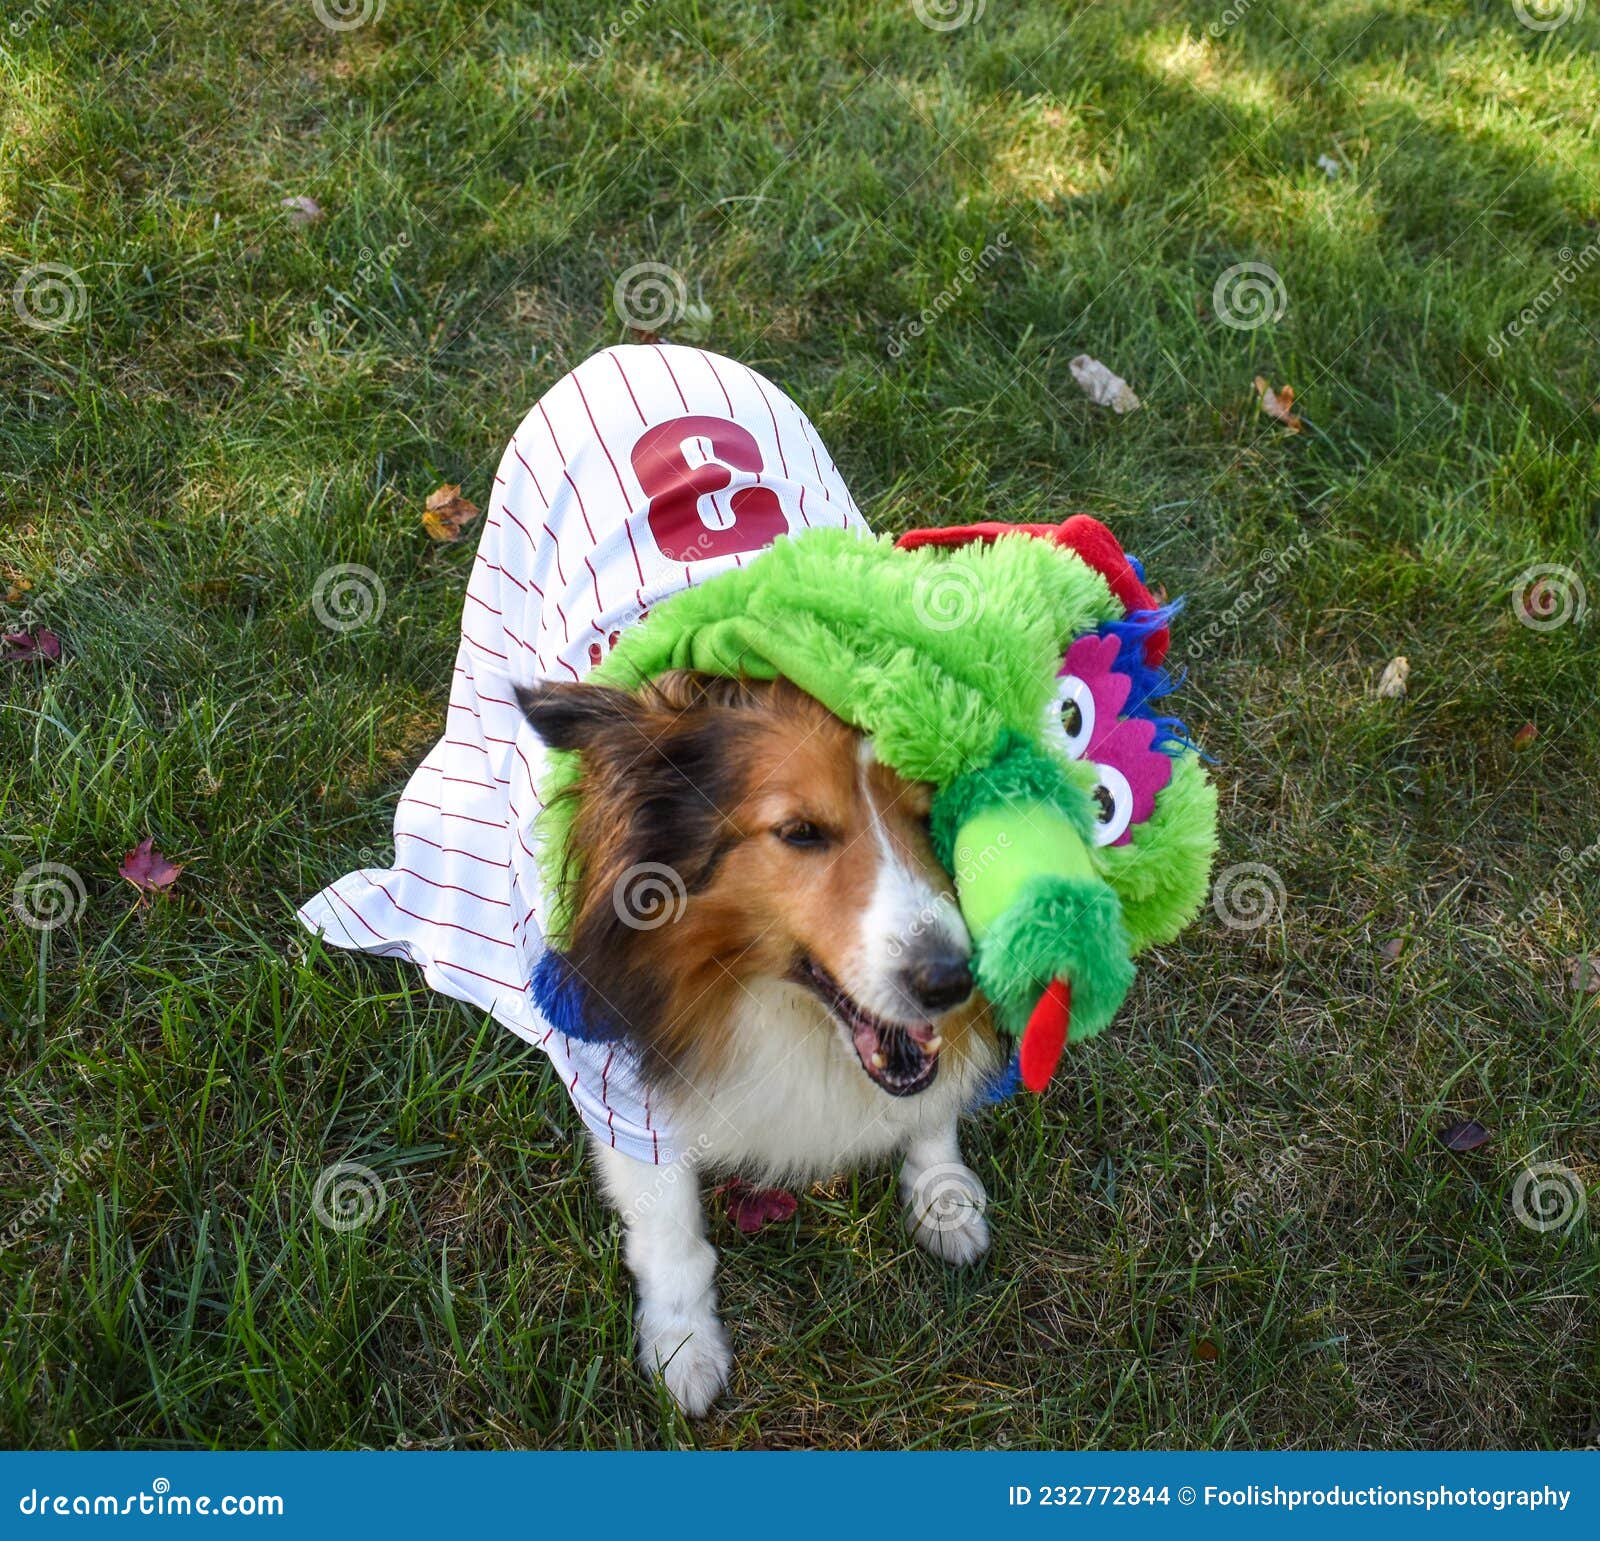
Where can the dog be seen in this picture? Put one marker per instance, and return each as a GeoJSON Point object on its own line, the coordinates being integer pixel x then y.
{"type": "Point", "coordinates": [812, 1009]}
{"type": "Point", "coordinates": [798, 1001]}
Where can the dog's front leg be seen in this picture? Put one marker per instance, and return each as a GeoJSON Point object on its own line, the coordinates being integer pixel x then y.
{"type": "Point", "coordinates": [943, 1198]}
{"type": "Point", "coordinates": [673, 1264]}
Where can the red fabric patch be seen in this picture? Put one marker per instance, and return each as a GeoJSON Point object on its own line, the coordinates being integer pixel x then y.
{"type": "Point", "coordinates": [1092, 541]}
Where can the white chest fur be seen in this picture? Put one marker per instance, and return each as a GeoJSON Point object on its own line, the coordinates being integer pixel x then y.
{"type": "Point", "coordinates": [792, 1104]}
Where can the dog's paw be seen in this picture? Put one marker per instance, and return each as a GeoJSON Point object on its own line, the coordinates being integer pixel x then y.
{"type": "Point", "coordinates": [945, 1213]}
{"type": "Point", "coordinates": [689, 1353]}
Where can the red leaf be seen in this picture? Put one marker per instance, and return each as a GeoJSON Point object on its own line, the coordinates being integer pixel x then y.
{"type": "Point", "coordinates": [148, 870]}
{"type": "Point", "coordinates": [40, 644]}
{"type": "Point", "coordinates": [1468, 1134]}
{"type": "Point", "coordinates": [751, 1208]}
{"type": "Point", "coordinates": [1205, 1351]}
{"type": "Point", "coordinates": [1524, 736]}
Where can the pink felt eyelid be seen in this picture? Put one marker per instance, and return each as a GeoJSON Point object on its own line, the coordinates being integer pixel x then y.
{"type": "Point", "coordinates": [1125, 743]}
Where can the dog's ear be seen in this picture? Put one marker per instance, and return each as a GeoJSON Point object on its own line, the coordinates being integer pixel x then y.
{"type": "Point", "coordinates": [577, 716]}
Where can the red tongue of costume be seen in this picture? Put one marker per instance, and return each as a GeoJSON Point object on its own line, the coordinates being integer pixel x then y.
{"type": "Point", "coordinates": [1045, 1036]}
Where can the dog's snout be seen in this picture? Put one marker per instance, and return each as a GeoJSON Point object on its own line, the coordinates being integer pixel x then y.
{"type": "Point", "coordinates": [940, 982]}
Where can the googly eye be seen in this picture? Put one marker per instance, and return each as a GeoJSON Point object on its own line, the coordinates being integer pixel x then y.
{"type": "Point", "coordinates": [1114, 811]}
{"type": "Point", "coordinates": [1069, 721]}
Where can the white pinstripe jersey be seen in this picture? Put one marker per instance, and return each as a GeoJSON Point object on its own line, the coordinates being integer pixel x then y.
{"type": "Point", "coordinates": [643, 472]}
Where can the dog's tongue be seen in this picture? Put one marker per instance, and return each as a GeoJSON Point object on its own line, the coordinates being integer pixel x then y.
{"type": "Point", "coordinates": [1045, 1036]}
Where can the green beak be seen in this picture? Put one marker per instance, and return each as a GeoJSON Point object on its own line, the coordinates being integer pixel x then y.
{"type": "Point", "coordinates": [1050, 950]}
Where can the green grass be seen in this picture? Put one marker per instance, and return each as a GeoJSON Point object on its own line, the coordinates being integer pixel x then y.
{"type": "Point", "coordinates": [246, 402]}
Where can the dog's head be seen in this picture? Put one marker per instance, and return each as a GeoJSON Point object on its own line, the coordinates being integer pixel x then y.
{"type": "Point", "coordinates": [727, 831]}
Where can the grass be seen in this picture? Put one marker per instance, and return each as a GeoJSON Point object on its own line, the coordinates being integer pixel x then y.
{"type": "Point", "coordinates": [243, 401]}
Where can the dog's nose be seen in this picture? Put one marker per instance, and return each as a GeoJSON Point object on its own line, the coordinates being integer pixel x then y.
{"type": "Point", "coordinates": [940, 983]}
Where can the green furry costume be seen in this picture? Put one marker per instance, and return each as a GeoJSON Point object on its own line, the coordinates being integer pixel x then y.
{"type": "Point", "coordinates": [1015, 668]}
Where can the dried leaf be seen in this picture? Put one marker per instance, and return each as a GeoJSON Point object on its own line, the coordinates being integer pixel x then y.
{"type": "Point", "coordinates": [1278, 404]}
{"type": "Point", "coordinates": [148, 870]}
{"type": "Point", "coordinates": [1524, 736]}
{"type": "Point", "coordinates": [302, 210]}
{"type": "Point", "coordinates": [1467, 1134]}
{"type": "Point", "coordinates": [1392, 682]}
{"type": "Point", "coordinates": [1393, 948]}
{"type": "Point", "coordinates": [1101, 386]}
{"type": "Point", "coordinates": [16, 584]}
{"type": "Point", "coordinates": [37, 646]}
{"type": "Point", "coordinates": [446, 514]}
{"type": "Point", "coordinates": [1585, 973]}
{"type": "Point", "coordinates": [1205, 1351]}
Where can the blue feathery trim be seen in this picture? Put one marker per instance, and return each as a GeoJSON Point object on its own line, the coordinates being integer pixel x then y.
{"type": "Point", "coordinates": [564, 1001]}
{"type": "Point", "coordinates": [1149, 683]}
{"type": "Point", "coordinates": [1005, 1083]}
{"type": "Point", "coordinates": [1136, 565]}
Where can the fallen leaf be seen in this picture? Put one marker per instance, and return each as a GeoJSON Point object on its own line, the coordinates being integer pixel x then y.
{"type": "Point", "coordinates": [1278, 404]}
{"type": "Point", "coordinates": [148, 870]}
{"type": "Point", "coordinates": [302, 210]}
{"type": "Point", "coordinates": [1467, 1134]}
{"type": "Point", "coordinates": [1205, 1351]}
{"type": "Point", "coordinates": [1328, 164]}
{"type": "Point", "coordinates": [751, 1208]}
{"type": "Point", "coordinates": [446, 513]}
{"type": "Point", "coordinates": [39, 645]}
{"type": "Point", "coordinates": [1392, 682]}
{"type": "Point", "coordinates": [1393, 948]}
{"type": "Point", "coordinates": [641, 336]}
{"type": "Point", "coordinates": [1524, 736]}
{"type": "Point", "coordinates": [16, 585]}
{"type": "Point", "coordinates": [1102, 387]}
{"type": "Point", "coordinates": [1585, 975]}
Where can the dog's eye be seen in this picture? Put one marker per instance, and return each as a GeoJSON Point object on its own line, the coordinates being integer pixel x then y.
{"type": "Point", "coordinates": [802, 834]}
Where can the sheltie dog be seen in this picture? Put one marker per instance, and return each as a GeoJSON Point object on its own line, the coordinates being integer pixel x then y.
{"type": "Point", "coordinates": [812, 1009]}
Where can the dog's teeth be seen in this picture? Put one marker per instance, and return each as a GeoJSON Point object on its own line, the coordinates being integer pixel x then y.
{"type": "Point", "coordinates": [878, 1061]}
{"type": "Point", "coordinates": [933, 1045]}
